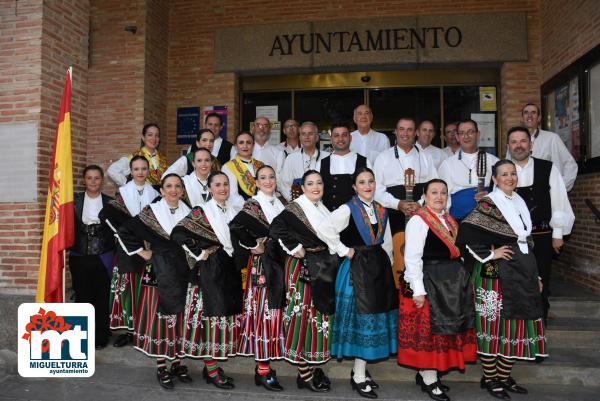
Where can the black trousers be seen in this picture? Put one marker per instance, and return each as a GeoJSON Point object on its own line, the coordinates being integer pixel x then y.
{"type": "Point", "coordinates": [92, 285]}
{"type": "Point", "coordinates": [543, 251]}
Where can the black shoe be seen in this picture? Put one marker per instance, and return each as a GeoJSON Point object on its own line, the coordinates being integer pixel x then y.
{"type": "Point", "coordinates": [268, 381]}
{"type": "Point", "coordinates": [320, 378]}
{"type": "Point", "coordinates": [220, 381]}
{"type": "Point", "coordinates": [419, 381]}
{"type": "Point", "coordinates": [429, 388]}
{"type": "Point", "coordinates": [164, 378]}
{"type": "Point", "coordinates": [370, 381]}
{"type": "Point", "coordinates": [361, 388]}
{"type": "Point", "coordinates": [494, 387]}
{"type": "Point", "coordinates": [122, 340]}
{"type": "Point", "coordinates": [181, 372]}
{"type": "Point", "coordinates": [312, 385]}
{"type": "Point", "coordinates": [221, 372]}
{"type": "Point", "coordinates": [511, 385]}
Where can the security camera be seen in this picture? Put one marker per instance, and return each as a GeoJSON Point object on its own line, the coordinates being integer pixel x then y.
{"type": "Point", "coordinates": [365, 78]}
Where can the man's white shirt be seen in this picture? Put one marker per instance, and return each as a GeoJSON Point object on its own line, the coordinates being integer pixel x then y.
{"type": "Point", "coordinates": [389, 171]}
{"type": "Point", "coordinates": [370, 145]}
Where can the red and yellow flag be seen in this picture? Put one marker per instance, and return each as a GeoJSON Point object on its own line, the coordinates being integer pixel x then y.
{"type": "Point", "coordinates": [59, 233]}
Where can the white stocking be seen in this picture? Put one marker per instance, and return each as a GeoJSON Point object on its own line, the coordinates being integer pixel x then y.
{"type": "Point", "coordinates": [429, 377]}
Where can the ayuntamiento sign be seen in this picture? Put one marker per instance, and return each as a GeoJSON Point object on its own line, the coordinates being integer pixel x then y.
{"type": "Point", "coordinates": [405, 41]}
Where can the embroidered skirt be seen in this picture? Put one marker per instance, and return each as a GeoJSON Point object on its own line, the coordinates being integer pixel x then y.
{"type": "Point", "coordinates": [124, 293]}
{"type": "Point", "coordinates": [512, 338]}
{"type": "Point", "coordinates": [305, 330]}
{"type": "Point", "coordinates": [261, 326]}
{"type": "Point", "coordinates": [366, 336]}
{"type": "Point", "coordinates": [420, 349]}
{"type": "Point", "coordinates": [214, 337]}
{"type": "Point", "coordinates": [156, 334]}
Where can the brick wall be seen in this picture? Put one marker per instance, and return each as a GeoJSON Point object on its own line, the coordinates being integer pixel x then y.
{"type": "Point", "coordinates": [116, 80]}
{"type": "Point", "coordinates": [568, 33]}
{"type": "Point", "coordinates": [156, 64]}
{"type": "Point", "coordinates": [192, 81]}
{"type": "Point", "coordinates": [38, 41]}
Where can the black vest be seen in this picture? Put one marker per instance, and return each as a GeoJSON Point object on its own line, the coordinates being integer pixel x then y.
{"type": "Point", "coordinates": [397, 218]}
{"type": "Point", "coordinates": [338, 187]}
{"type": "Point", "coordinates": [93, 239]}
{"type": "Point", "coordinates": [537, 195]}
{"type": "Point", "coordinates": [224, 154]}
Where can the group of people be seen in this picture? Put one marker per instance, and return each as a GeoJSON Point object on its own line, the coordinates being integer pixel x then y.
{"type": "Point", "coordinates": [289, 252]}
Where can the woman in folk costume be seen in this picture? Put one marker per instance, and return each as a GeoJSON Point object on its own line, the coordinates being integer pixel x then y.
{"type": "Point", "coordinates": [264, 299]}
{"type": "Point", "coordinates": [214, 299]}
{"type": "Point", "coordinates": [119, 171]}
{"type": "Point", "coordinates": [185, 165]}
{"type": "Point", "coordinates": [310, 272]}
{"type": "Point", "coordinates": [196, 183]}
{"type": "Point", "coordinates": [436, 300]}
{"type": "Point", "coordinates": [366, 310]}
{"type": "Point", "coordinates": [162, 299]}
{"type": "Point", "coordinates": [125, 286]}
{"type": "Point", "coordinates": [496, 242]}
{"type": "Point", "coordinates": [242, 169]}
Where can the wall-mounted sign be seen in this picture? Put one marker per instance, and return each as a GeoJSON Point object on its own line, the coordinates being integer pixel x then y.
{"type": "Point", "coordinates": [188, 124]}
{"type": "Point", "coordinates": [355, 43]}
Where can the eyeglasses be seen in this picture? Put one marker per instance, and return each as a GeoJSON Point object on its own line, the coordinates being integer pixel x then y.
{"type": "Point", "coordinates": [470, 132]}
{"type": "Point", "coordinates": [260, 125]}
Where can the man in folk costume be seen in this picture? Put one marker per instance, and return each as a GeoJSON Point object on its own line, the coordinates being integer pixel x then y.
{"type": "Point", "coordinates": [425, 135]}
{"type": "Point", "coordinates": [365, 140]}
{"type": "Point", "coordinates": [548, 145]}
{"type": "Point", "coordinates": [400, 173]}
{"type": "Point", "coordinates": [543, 189]}
{"type": "Point", "coordinates": [292, 140]}
{"type": "Point", "coordinates": [296, 164]}
{"type": "Point", "coordinates": [223, 150]}
{"type": "Point", "coordinates": [468, 172]}
{"type": "Point", "coordinates": [265, 152]}
{"type": "Point", "coordinates": [241, 170]}
{"type": "Point", "coordinates": [337, 169]}
{"type": "Point", "coordinates": [451, 137]}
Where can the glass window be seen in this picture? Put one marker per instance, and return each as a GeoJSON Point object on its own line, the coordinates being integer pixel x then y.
{"type": "Point", "coordinates": [389, 105]}
{"type": "Point", "coordinates": [594, 110]}
{"type": "Point", "coordinates": [463, 102]}
{"type": "Point", "coordinates": [250, 100]}
{"type": "Point", "coordinates": [324, 107]}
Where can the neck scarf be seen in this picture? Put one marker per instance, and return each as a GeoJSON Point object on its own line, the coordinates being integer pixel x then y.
{"type": "Point", "coordinates": [166, 219]}
{"type": "Point", "coordinates": [219, 222]}
{"type": "Point", "coordinates": [271, 210]}
{"type": "Point", "coordinates": [133, 200]}
{"type": "Point", "coordinates": [515, 211]}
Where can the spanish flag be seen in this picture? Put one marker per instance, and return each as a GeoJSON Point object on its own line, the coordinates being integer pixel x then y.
{"type": "Point", "coordinates": [59, 233]}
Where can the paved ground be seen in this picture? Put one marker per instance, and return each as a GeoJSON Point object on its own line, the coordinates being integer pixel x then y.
{"type": "Point", "coordinates": [125, 384]}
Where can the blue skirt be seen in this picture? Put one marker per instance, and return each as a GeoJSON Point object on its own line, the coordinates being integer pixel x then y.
{"type": "Point", "coordinates": [358, 335]}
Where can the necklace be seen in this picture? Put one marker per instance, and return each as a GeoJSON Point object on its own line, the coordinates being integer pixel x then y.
{"type": "Point", "coordinates": [173, 209]}
{"type": "Point", "coordinates": [204, 187]}
{"type": "Point", "coordinates": [223, 208]}
{"type": "Point", "coordinates": [402, 164]}
{"type": "Point", "coordinates": [140, 191]}
{"type": "Point", "coordinates": [307, 165]}
{"type": "Point", "coordinates": [368, 208]}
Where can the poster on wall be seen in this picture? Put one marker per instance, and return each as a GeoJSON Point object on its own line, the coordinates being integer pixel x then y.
{"type": "Point", "coordinates": [487, 98]}
{"type": "Point", "coordinates": [272, 114]}
{"type": "Point", "coordinates": [222, 111]}
{"type": "Point", "coordinates": [562, 122]}
{"type": "Point", "coordinates": [566, 115]}
{"type": "Point", "coordinates": [188, 124]}
{"type": "Point", "coordinates": [574, 103]}
{"type": "Point", "coordinates": [486, 122]}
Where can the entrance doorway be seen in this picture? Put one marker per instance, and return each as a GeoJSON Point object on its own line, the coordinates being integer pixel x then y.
{"type": "Point", "coordinates": [441, 96]}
